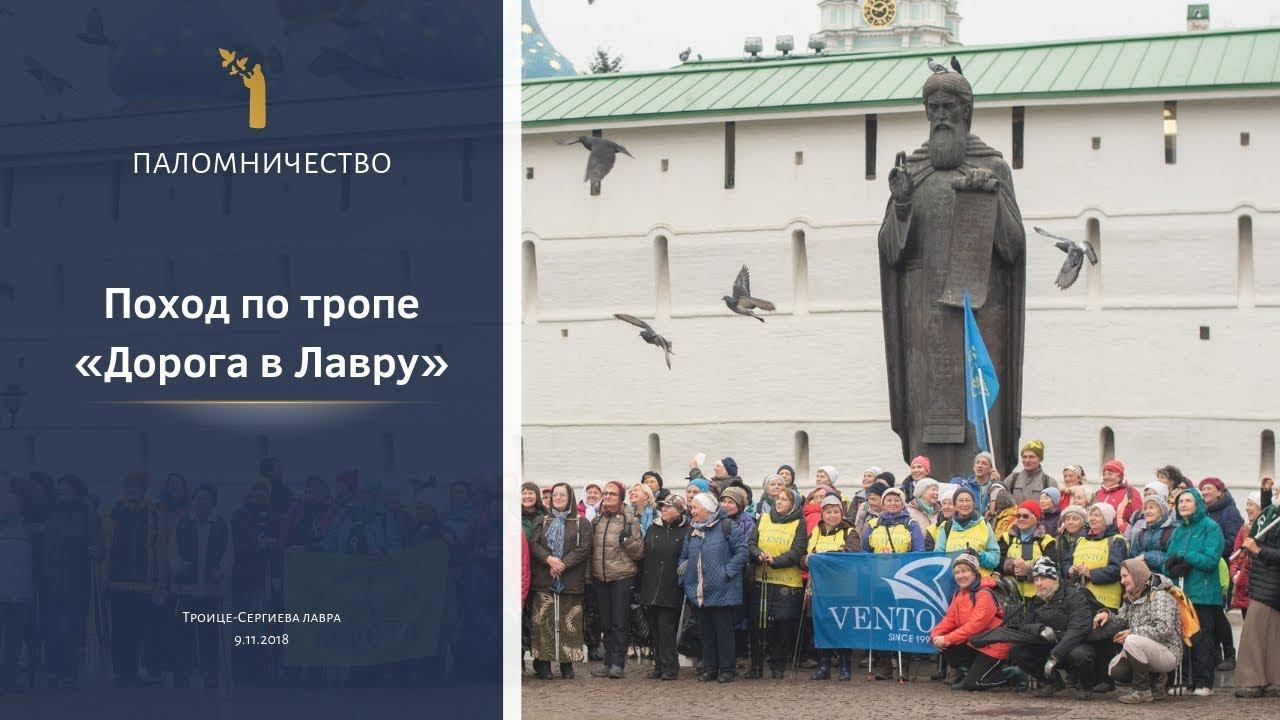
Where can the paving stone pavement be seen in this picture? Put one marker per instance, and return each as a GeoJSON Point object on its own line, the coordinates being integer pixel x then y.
{"type": "Point", "coordinates": [588, 698]}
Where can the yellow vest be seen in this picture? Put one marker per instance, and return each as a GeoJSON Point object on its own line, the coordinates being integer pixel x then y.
{"type": "Point", "coordinates": [819, 543]}
{"type": "Point", "coordinates": [975, 538]}
{"type": "Point", "coordinates": [775, 539]}
{"type": "Point", "coordinates": [1093, 554]}
{"type": "Point", "coordinates": [895, 538]}
{"type": "Point", "coordinates": [1014, 544]}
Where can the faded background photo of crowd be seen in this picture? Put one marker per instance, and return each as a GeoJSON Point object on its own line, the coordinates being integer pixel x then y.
{"type": "Point", "coordinates": [93, 590]}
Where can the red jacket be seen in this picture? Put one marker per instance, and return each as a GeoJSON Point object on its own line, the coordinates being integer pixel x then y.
{"type": "Point", "coordinates": [972, 613]}
{"type": "Point", "coordinates": [1117, 497]}
{"type": "Point", "coordinates": [1240, 570]}
{"type": "Point", "coordinates": [525, 576]}
{"type": "Point", "coordinates": [812, 515]}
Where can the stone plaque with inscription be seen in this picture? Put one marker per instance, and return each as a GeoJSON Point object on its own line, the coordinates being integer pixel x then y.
{"type": "Point", "coordinates": [973, 225]}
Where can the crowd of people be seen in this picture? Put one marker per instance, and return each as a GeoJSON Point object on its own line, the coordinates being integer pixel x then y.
{"type": "Point", "coordinates": [79, 582]}
{"type": "Point", "coordinates": [1059, 582]}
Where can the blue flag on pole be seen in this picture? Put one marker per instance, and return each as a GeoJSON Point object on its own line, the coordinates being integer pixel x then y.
{"type": "Point", "coordinates": [983, 385]}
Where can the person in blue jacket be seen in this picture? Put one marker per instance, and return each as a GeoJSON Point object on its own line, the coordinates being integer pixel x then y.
{"type": "Point", "coordinates": [710, 568]}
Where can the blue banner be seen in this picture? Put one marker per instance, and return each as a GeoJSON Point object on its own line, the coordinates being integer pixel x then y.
{"type": "Point", "coordinates": [983, 386]}
{"type": "Point", "coordinates": [879, 601]}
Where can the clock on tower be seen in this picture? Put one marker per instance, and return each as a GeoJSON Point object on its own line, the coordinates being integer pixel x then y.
{"type": "Point", "coordinates": [879, 13]}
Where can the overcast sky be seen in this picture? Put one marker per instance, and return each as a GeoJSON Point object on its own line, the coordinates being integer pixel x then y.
{"type": "Point", "coordinates": [650, 33]}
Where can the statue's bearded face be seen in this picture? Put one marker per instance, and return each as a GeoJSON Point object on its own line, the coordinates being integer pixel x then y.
{"type": "Point", "coordinates": [948, 129]}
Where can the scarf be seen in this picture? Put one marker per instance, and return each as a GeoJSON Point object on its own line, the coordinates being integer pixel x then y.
{"type": "Point", "coordinates": [646, 517]}
{"type": "Point", "coordinates": [796, 511]}
{"type": "Point", "coordinates": [926, 507]}
{"type": "Point", "coordinates": [901, 517]}
{"type": "Point", "coordinates": [591, 510]}
{"type": "Point", "coordinates": [700, 530]}
{"type": "Point", "coordinates": [555, 539]}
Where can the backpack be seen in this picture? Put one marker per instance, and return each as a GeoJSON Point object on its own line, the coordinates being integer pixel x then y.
{"type": "Point", "coordinates": [1165, 533]}
{"type": "Point", "coordinates": [1009, 597]}
{"type": "Point", "coordinates": [1010, 605]}
{"type": "Point", "coordinates": [1189, 621]}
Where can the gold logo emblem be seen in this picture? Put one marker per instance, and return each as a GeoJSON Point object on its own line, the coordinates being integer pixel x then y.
{"type": "Point", "coordinates": [254, 80]}
{"type": "Point", "coordinates": [879, 13]}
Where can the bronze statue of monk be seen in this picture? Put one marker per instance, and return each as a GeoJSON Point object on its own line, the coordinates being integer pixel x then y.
{"type": "Point", "coordinates": [952, 224]}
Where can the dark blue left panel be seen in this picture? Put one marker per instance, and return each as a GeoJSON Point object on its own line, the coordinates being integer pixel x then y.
{"type": "Point", "coordinates": [322, 540]}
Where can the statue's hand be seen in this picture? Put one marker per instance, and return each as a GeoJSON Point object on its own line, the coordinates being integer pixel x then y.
{"type": "Point", "coordinates": [900, 183]}
{"type": "Point", "coordinates": [977, 180]}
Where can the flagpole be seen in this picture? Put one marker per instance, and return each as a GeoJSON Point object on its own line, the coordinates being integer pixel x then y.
{"type": "Point", "coordinates": [991, 445]}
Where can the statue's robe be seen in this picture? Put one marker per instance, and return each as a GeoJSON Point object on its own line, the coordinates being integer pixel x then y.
{"type": "Point", "coordinates": [924, 338]}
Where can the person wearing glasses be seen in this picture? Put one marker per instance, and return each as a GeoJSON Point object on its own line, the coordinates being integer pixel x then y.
{"type": "Point", "coordinates": [1024, 544]}
{"type": "Point", "coordinates": [558, 550]}
{"type": "Point", "coordinates": [616, 550]}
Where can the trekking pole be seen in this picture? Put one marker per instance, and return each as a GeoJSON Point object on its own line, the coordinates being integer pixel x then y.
{"type": "Point", "coordinates": [684, 605]}
{"type": "Point", "coordinates": [795, 655]}
{"type": "Point", "coordinates": [1178, 676]}
{"type": "Point", "coordinates": [555, 598]}
{"type": "Point", "coordinates": [762, 623]}
{"type": "Point", "coordinates": [901, 680]}
{"type": "Point", "coordinates": [871, 675]}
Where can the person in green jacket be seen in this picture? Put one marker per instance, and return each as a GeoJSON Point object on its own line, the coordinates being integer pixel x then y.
{"type": "Point", "coordinates": [1192, 560]}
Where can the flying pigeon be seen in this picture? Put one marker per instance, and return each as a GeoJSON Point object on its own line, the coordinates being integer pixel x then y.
{"type": "Point", "coordinates": [94, 34]}
{"type": "Point", "coordinates": [741, 301]}
{"type": "Point", "coordinates": [685, 53]}
{"type": "Point", "coordinates": [1075, 258]}
{"type": "Point", "coordinates": [649, 335]}
{"type": "Point", "coordinates": [50, 83]}
{"type": "Point", "coordinates": [603, 154]}
{"type": "Point", "coordinates": [955, 65]}
{"type": "Point", "coordinates": [934, 66]}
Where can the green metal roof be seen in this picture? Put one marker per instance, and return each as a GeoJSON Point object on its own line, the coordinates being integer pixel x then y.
{"type": "Point", "coordinates": [1189, 61]}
